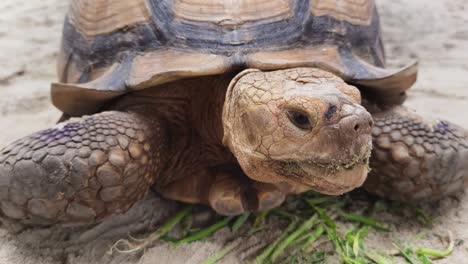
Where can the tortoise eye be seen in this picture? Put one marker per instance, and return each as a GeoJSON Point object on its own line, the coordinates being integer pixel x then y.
{"type": "Point", "coordinates": [299, 119]}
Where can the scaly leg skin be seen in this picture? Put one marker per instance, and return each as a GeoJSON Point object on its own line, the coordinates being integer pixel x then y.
{"type": "Point", "coordinates": [416, 159]}
{"type": "Point", "coordinates": [80, 171]}
{"type": "Point", "coordinates": [234, 195]}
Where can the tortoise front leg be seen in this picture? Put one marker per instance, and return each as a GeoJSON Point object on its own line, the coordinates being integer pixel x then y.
{"type": "Point", "coordinates": [80, 171]}
{"type": "Point", "coordinates": [416, 159]}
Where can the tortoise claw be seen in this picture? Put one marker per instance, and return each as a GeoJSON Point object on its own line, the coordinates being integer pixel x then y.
{"type": "Point", "coordinates": [268, 195]}
{"type": "Point", "coordinates": [229, 196]}
{"type": "Point", "coordinates": [226, 196]}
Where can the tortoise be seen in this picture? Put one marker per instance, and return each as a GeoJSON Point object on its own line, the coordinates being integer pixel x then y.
{"type": "Point", "coordinates": [231, 104]}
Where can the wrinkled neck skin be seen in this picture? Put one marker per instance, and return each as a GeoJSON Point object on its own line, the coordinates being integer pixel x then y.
{"type": "Point", "coordinates": [186, 106]}
{"type": "Point", "coordinates": [191, 112]}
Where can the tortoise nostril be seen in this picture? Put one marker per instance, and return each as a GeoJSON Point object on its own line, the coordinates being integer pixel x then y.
{"type": "Point", "coordinates": [357, 124]}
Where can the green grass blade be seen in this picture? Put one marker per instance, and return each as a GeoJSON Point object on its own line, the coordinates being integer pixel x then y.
{"type": "Point", "coordinates": [255, 230]}
{"type": "Point", "coordinates": [337, 241]}
{"type": "Point", "coordinates": [319, 200]}
{"type": "Point", "coordinates": [301, 239]}
{"type": "Point", "coordinates": [405, 254]}
{"type": "Point", "coordinates": [324, 216]}
{"type": "Point", "coordinates": [285, 214]}
{"type": "Point", "coordinates": [438, 253]}
{"type": "Point", "coordinates": [434, 252]}
{"type": "Point", "coordinates": [349, 260]}
{"type": "Point", "coordinates": [221, 254]}
{"type": "Point", "coordinates": [358, 240]}
{"type": "Point", "coordinates": [312, 238]}
{"type": "Point", "coordinates": [424, 259]}
{"type": "Point", "coordinates": [169, 239]}
{"type": "Point", "coordinates": [315, 257]}
{"type": "Point", "coordinates": [240, 221]}
{"type": "Point", "coordinates": [365, 221]}
{"type": "Point", "coordinates": [356, 245]}
{"type": "Point", "coordinates": [171, 223]}
{"type": "Point", "coordinates": [203, 233]}
{"type": "Point", "coordinates": [260, 219]}
{"type": "Point", "coordinates": [288, 240]}
{"type": "Point", "coordinates": [268, 250]}
{"type": "Point", "coordinates": [293, 260]}
{"type": "Point", "coordinates": [377, 258]}
{"type": "Point", "coordinates": [423, 217]}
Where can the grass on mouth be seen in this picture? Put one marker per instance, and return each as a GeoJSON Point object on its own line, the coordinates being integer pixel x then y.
{"type": "Point", "coordinates": [310, 234]}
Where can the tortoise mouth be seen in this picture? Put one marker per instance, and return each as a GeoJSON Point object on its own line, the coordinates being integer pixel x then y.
{"type": "Point", "coordinates": [337, 165]}
{"type": "Point", "coordinates": [329, 177]}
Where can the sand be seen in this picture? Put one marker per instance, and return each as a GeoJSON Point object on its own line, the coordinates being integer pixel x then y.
{"type": "Point", "coordinates": [435, 32]}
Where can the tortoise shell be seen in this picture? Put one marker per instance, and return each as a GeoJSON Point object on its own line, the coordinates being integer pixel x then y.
{"type": "Point", "coordinates": [110, 48]}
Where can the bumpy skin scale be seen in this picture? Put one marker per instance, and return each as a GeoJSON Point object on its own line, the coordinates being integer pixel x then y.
{"type": "Point", "coordinates": [80, 171]}
{"type": "Point", "coordinates": [416, 159]}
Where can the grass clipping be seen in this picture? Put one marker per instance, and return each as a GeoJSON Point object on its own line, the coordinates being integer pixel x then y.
{"type": "Point", "coordinates": [311, 233]}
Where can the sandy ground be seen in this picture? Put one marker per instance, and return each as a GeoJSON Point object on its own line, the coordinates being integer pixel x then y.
{"type": "Point", "coordinates": [434, 31]}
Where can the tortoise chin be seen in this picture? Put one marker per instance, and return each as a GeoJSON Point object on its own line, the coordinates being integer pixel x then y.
{"type": "Point", "coordinates": [333, 178]}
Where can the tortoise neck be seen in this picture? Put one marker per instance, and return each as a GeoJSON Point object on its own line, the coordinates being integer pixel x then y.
{"type": "Point", "coordinates": [188, 106]}
{"type": "Point", "coordinates": [207, 96]}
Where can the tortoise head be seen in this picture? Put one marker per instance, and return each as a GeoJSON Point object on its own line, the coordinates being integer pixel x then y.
{"type": "Point", "coordinates": [301, 129]}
